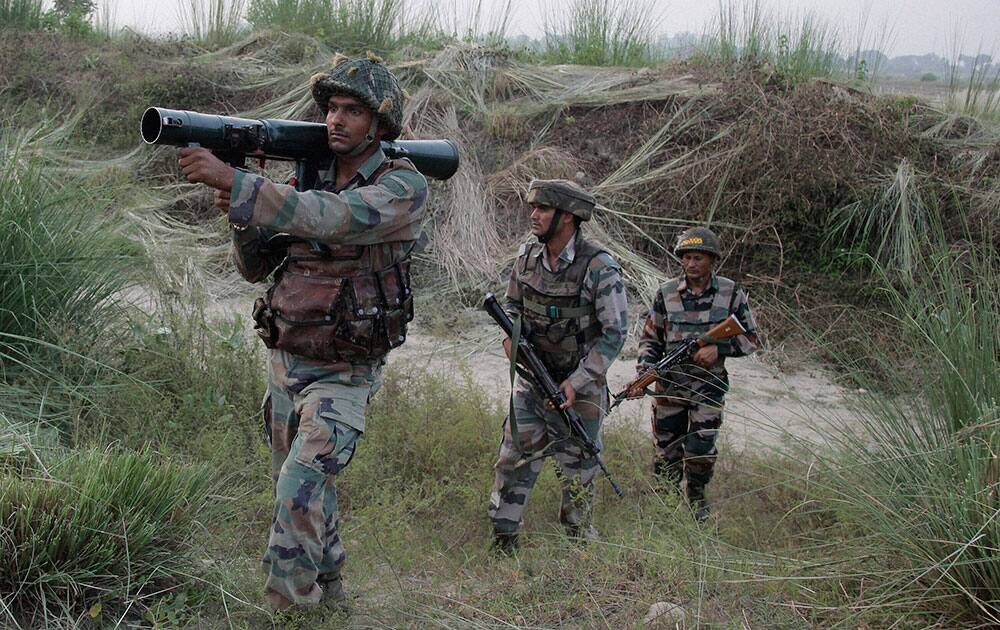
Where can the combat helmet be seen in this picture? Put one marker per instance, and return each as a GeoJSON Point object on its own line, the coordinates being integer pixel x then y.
{"type": "Point", "coordinates": [562, 194]}
{"type": "Point", "coordinates": [698, 239]}
{"type": "Point", "coordinates": [368, 80]}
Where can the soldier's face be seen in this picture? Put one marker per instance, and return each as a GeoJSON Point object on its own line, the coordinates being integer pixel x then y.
{"type": "Point", "coordinates": [697, 266]}
{"type": "Point", "coordinates": [541, 216]}
{"type": "Point", "coordinates": [347, 123]}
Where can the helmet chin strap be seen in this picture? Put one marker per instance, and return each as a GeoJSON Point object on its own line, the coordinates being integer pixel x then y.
{"type": "Point", "coordinates": [369, 138]}
{"type": "Point", "coordinates": [553, 226]}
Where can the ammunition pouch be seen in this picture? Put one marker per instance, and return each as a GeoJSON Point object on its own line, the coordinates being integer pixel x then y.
{"type": "Point", "coordinates": [337, 318]}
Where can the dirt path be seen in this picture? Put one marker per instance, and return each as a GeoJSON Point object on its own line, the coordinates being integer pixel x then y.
{"type": "Point", "coordinates": [763, 408]}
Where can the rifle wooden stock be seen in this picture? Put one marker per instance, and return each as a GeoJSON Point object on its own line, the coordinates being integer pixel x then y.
{"type": "Point", "coordinates": [726, 329]}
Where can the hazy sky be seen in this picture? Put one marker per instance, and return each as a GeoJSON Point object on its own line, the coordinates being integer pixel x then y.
{"type": "Point", "coordinates": [916, 26]}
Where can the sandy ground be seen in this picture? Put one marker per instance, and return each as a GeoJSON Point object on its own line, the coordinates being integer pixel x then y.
{"type": "Point", "coordinates": [765, 407]}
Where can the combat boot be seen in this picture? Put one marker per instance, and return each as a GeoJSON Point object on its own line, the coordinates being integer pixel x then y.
{"type": "Point", "coordinates": [698, 502]}
{"type": "Point", "coordinates": [504, 543]}
{"type": "Point", "coordinates": [334, 596]}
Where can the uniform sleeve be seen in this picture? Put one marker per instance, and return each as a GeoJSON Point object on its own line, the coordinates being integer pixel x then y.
{"type": "Point", "coordinates": [744, 344]}
{"type": "Point", "coordinates": [389, 210]}
{"type": "Point", "coordinates": [608, 290]}
{"type": "Point", "coordinates": [651, 341]}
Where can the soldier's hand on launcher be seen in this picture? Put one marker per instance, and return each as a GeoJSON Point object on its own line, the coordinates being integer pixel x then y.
{"type": "Point", "coordinates": [706, 356]}
{"type": "Point", "coordinates": [201, 166]}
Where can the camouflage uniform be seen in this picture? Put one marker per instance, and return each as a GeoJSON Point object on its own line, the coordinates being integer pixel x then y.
{"type": "Point", "coordinates": [687, 408]}
{"type": "Point", "coordinates": [575, 316]}
{"type": "Point", "coordinates": [342, 243]}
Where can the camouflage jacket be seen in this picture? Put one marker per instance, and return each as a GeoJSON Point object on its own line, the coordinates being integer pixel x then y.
{"type": "Point", "coordinates": [603, 288]}
{"type": "Point", "coordinates": [385, 216]}
{"type": "Point", "coordinates": [675, 302]}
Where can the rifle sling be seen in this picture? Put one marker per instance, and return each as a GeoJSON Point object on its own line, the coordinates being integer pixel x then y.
{"type": "Point", "coordinates": [515, 339]}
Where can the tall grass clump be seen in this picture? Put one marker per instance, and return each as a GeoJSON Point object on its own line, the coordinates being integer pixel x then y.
{"type": "Point", "coordinates": [63, 268]}
{"type": "Point", "coordinates": [895, 225]}
{"type": "Point", "coordinates": [61, 263]}
{"type": "Point", "coordinates": [920, 478]}
{"type": "Point", "coordinates": [21, 14]}
{"type": "Point", "coordinates": [213, 22]}
{"type": "Point", "coordinates": [92, 530]}
{"type": "Point", "coordinates": [974, 86]}
{"type": "Point", "coordinates": [602, 33]}
{"type": "Point", "coordinates": [472, 23]}
{"type": "Point", "coordinates": [797, 47]}
{"type": "Point", "coordinates": [354, 26]}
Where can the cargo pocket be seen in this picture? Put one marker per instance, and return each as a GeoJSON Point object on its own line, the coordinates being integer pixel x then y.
{"type": "Point", "coordinates": [307, 311]}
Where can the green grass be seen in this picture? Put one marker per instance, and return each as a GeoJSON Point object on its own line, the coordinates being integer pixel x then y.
{"type": "Point", "coordinates": [84, 530]}
{"type": "Point", "coordinates": [602, 33]}
{"type": "Point", "coordinates": [919, 478]}
{"type": "Point", "coordinates": [975, 90]}
{"type": "Point", "coordinates": [63, 269]}
{"type": "Point", "coordinates": [794, 47]}
{"type": "Point", "coordinates": [213, 23]}
{"type": "Point", "coordinates": [21, 14]}
{"type": "Point", "coordinates": [895, 226]}
{"type": "Point", "coordinates": [351, 26]}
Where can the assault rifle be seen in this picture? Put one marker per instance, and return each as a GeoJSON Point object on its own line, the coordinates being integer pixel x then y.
{"type": "Point", "coordinates": [726, 329]}
{"type": "Point", "coordinates": [233, 140]}
{"type": "Point", "coordinates": [549, 388]}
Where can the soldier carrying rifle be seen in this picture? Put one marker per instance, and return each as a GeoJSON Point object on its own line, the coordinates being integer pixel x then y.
{"type": "Point", "coordinates": [569, 298]}
{"type": "Point", "coordinates": [687, 407]}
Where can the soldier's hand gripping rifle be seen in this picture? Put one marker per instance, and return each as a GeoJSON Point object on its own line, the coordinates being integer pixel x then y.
{"type": "Point", "coordinates": [233, 140]}
{"type": "Point", "coordinates": [530, 361]}
{"type": "Point", "coordinates": [726, 329]}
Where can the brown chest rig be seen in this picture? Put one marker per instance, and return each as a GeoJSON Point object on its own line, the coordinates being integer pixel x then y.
{"type": "Point", "coordinates": [342, 303]}
{"type": "Point", "coordinates": [690, 324]}
{"type": "Point", "coordinates": [683, 324]}
{"type": "Point", "coordinates": [557, 325]}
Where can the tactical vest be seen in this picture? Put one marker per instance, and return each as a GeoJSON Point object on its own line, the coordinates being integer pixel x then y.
{"type": "Point", "coordinates": [684, 324]}
{"type": "Point", "coordinates": [340, 303]}
{"type": "Point", "coordinates": [557, 325]}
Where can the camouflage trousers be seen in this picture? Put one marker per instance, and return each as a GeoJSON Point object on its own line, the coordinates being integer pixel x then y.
{"type": "Point", "coordinates": [687, 416]}
{"type": "Point", "coordinates": [314, 415]}
{"type": "Point", "coordinates": [541, 430]}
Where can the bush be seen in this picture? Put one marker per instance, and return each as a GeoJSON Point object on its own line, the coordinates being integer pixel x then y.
{"type": "Point", "coordinates": [929, 77]}
{"type": "Point", "coordinates": [89, 529]}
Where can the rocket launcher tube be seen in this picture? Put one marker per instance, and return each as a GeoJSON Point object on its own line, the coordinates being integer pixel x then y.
{"type": "Point", "coordinates": [235, 139]}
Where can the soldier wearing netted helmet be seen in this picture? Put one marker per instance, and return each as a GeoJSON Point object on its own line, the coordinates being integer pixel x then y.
{"type": "Point", "coordinates": [569, 296]}
{"type": "Point", "coordinates": [688, 401]}
{"type": "Point", "coordinates": [337, 246]}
